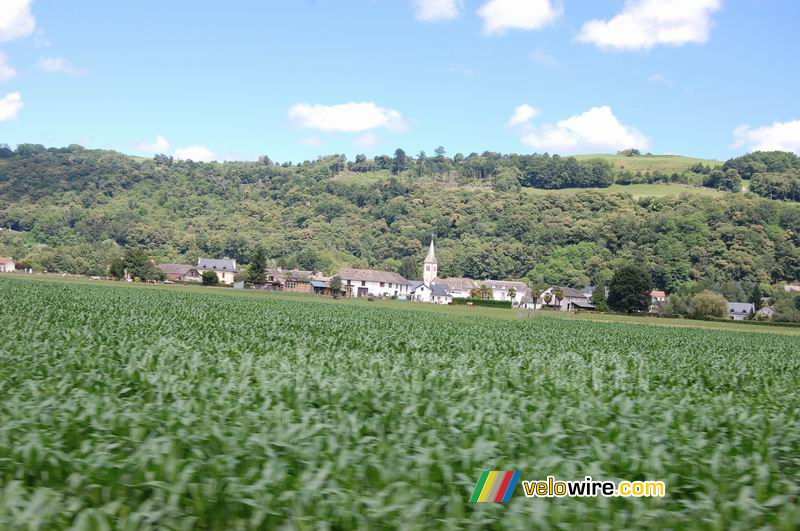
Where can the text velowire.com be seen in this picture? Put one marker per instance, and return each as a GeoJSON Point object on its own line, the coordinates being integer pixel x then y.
{"type": "Point", "coordinates": [551, 488]}
{"type": "Point", "coordinates": [498, 486]}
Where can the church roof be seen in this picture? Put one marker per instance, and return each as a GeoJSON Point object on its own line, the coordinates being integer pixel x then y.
{"type": "Point", "coordinates": [431, 258]}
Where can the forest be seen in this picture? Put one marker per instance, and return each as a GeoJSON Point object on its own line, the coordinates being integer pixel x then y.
{"type": "Point", "coordinates": [74, 210]}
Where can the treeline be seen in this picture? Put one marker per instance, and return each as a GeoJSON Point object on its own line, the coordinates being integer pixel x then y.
{"type": "Point", "coordinates": [76, 210]}
{"type": "Point", "coordinates": [772, 174]}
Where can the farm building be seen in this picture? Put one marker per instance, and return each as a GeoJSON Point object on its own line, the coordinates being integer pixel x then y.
{"type": "Point", "coordinates": [6, 265]}
{"type": "Point", "coordinates": [371, 283]}
{"type": "Point", "coordinates": [180, 272]}
{"type": "Point", "coordinates": [572, 299]}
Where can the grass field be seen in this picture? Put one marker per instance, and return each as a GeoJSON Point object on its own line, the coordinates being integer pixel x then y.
{"type": "Point", "coordinates": [636, 190]}
{"type": "Point", "coordinates": [146, 406]}
{"type": "Point", "coordinates": [644, 163]}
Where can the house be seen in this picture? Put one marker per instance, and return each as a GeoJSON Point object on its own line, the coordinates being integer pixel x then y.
{"type": "Point", "coordinates": [765, 313]}
{"type": "Point", "coordinates": [739, 311]}
{"type": "Point", "coordinates": [792, 288]}
{"type": "Point", "coordinates": [459, 288]}
{"type": "Point", "coordinates": [419, 291]}
{"type": "Point", "coordinates": [291, 280]}
{"type": "Point", "coordinates": [502, 290]}
{"type": "Point", "coordinates": [7, 265]}
{"type": "Point", "coordinates": [657, 300]}
{"type": "Point", "coordinates": [573, 299]}
{"type": "Point", "coordinates": [440, 295]}
{"type": "Point", "coordinates": [180, 272]}
{"type": "Point", "coordinates": [322, 286]}
{"type": "Point", "coordinates": [371, 283]}
{"type": "Point", "coordinates": [225, 269]}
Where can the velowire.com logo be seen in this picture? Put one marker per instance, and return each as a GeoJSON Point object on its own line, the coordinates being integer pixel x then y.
{"type": "Point", "coordinates": [494, 486]}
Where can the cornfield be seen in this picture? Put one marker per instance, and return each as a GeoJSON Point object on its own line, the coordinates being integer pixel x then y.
{"type": "Point", "coordinates": [137, 407]}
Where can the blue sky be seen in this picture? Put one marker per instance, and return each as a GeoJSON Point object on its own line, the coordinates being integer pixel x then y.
{"type": "Point", "coordinates": [294, 79]}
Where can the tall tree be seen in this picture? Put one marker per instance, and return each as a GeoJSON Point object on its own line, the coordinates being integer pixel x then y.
{"type": "Point", "coordinates": [257, 269]}
{"type": "Point", "coordinates": [399, 162]}
{"type": "Point", "coordinates": [629, 290]}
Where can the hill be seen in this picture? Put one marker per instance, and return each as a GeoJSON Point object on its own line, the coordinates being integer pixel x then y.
{"type": "Point", "coordinates": [74, 210]}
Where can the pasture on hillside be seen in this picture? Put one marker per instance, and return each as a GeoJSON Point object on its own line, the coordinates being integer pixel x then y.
{"type": "Point", "coordinates": [144, 406]}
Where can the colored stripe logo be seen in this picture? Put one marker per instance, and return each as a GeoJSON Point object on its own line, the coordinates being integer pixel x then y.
{"type": "Point", "coordinates": [494, 486]}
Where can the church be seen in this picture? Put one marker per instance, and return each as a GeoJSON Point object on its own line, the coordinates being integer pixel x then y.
{"type": "Point", "coordinates": [437, 290]}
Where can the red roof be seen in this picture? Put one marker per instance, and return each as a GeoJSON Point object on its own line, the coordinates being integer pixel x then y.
{"type": "Point", "coordinates": [5, 260]}
{"type": "Point", "coordinates": [658, 294]}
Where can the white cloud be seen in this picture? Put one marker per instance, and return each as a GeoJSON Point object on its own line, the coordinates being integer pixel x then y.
{"type": "Point", "coordinates": [16, 19]}
{"type": "Point", "coordinates": [780, 136]}
{"type": "Point", "coordinates": [10, 106]}
{"type": "Point", "coordinates": [643, 24]}
{"type": "Point", "coordinates": [523, 115]}
{"type": "Point", "coordinates": [195, 153]}
{"type": "Point", "coordinates": [367, 141]}
{"type": "Point", "coordinates": [347, 117]}
{"type": "Point", "coordinates": [6, 72]}
{"type": "Point", "coordinates": [159, 145]}
{"type": "Point", "coordinates": [541, 57]}
{"type": "Point", "coordinates": [59, 65]}
{"type": "Point", "coordinates": [662, 79]}
{"type": "Point", "coordinates": [500, 16]}
{"type": "Point", "coordinates": [436, 10]}
{"type": "Point", "coordinates": [596, 130]}
{"type": "Point", "coordinates": [311, 141]}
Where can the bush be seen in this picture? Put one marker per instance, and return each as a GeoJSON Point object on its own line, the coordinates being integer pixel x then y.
{"type": "Point", "coordinates": [210, 278]}
{"type": "Point", "coordinates": [483, 302]}
{"type": "Point", "coordinates": [708, 304]}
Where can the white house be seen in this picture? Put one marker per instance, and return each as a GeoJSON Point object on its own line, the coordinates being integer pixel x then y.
{"type": "Point", "coordinates": [6, 265]}
{"type": "Point", "coordinates": [739, 311]}
{"type": "Point", "coordinates": [225, 269]}
{"type": "Point", "coordinates": [368, 282]}
{"type": "Point", "coordinates": [573, 299]}
{"type": "Point", "coordinates": [419, 291]}
{"type": "Point", "coordinates": [502, 290]}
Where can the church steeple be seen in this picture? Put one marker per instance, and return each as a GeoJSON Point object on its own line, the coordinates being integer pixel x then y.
{"type": "Point", "coordinates": [430, 266]}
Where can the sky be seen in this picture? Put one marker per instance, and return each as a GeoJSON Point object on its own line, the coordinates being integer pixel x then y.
{"type": "Point", "coordinates": [295, 79]}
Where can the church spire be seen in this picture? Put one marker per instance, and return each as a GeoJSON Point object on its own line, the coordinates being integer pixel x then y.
{"type": "Point", "coordinates": [430, 268]}
{"type": "Point", "coordinates": [431, 258]}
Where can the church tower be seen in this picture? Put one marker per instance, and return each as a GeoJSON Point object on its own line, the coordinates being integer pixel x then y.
{"type": "Point", "coordinates": [430, 266]}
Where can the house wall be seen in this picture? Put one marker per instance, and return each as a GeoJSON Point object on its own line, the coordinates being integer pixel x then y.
{"type": "Point", "coordinates": [7, 268]}
{"type": "Point", "coordinates": [225, 277]}
{"type": "Point", "coordinates": [422, 294]}
{"type": "Point", "coordinates": [374, 288]}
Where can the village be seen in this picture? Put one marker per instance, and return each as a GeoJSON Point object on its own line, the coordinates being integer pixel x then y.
{"type": "Point", "coordinates": [374, 284]}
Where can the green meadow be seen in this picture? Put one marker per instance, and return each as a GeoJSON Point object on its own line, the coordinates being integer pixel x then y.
{"type": "Point", "coordinates": [135, 407]}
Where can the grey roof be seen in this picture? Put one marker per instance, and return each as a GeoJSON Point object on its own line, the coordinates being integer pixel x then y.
{"type": "Point", "coordinates": [584, 305]}
{"type": "Point", "coordinates": [216, 265]}
{"type": "Point", "coordinates": [741, 308]}
{"type": "Point", "coordinates": [371, 275]}
{"type": "Point", "coordinates": [440, 290]}
{"type": "Point", "coordinates": [176, 269]}
{"type": "Point", "coordinates": [431, 257]}
{"type": "Point", "coordinates": [571, 292]}
{"type": "Point", "coordinates": [457, 283]}
{"type": "Point", "coordinates": [504, 284]}
{"type": "Point", "coordinates": [291, 274]}
{"type": "Point", "coordinates": [320, 284]}
{"type": "Point", "coordinates": [414, 284]}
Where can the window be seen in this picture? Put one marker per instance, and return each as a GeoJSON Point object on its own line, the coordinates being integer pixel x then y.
{"type": "Point", "coordinates": [390, 284]}
{"type": "Point", "coordinates": [381, 284]}
{"type": "Point", "coordinates": [349, 282]}
{"type": "Point", "coordinates": [427, 268]}
{"type": "Point", "coordinates": [363, 282]}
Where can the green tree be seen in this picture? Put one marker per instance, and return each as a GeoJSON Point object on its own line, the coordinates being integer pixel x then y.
{"type": "Point", "coordinates": [598, 299]}
{"type": "Point", "coordinates": [336, 286]}
{"type": "Point", "coordinates": [117, 268]}
{"type": "Point", "coordinates": [708, 304]}
{"type": "Point", "coordinates": [756, 296]}
{"type": "Point", "coordinates": [399, 162]}
{"type": "Point", "coordinates": [629, 290]}
{"type": "Point", "coordinates": [139, 265]}
{"type": "Point", "coordinates": [210, 278]}
{"type": "Point", "coordinates": [558, 293]}
{"type": "Point", "coordinates": [257, 269]}
{"type": "Point", "coordinates": [512, 292]}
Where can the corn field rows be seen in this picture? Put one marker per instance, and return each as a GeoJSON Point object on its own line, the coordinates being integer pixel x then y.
{"type": "Point", "coordinates": [137, 407]}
